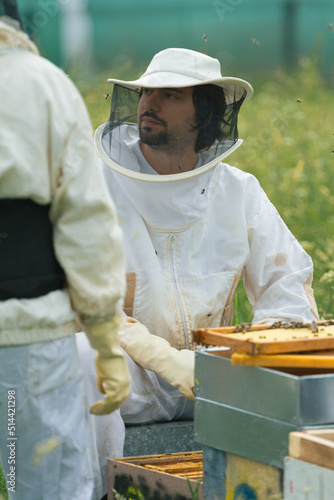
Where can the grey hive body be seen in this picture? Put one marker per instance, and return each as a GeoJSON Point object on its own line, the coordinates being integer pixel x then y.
{"type": "Point", "coordinates": [250, 411]}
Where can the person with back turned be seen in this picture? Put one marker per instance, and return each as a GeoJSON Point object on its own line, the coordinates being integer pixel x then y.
{"type": "Point", "coordinates": [61, 258]}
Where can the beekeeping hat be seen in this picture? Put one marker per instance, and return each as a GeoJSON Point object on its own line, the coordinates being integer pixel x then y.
{"type": "Point", "coordinates": [170, 68]}
{"type": "Point", "coordinates": [176, 68]}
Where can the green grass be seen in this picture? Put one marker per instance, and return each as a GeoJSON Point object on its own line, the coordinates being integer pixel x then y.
{"type": "Point", "coordinates": [288, 130]}
{"type": "Point", "coordinates": [3, 487]}
{"type": "Point", "coordinates": [288, 147]}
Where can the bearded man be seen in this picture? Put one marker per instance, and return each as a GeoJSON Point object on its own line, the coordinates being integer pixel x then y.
{"type": "Point", "coordinates": [193, 226]}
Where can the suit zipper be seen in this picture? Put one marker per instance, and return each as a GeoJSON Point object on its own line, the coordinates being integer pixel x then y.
{"type": "Point", "coordinates": [177, 293]}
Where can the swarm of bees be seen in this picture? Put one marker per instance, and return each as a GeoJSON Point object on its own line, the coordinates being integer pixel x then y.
{"type": "Point", "coordinates": [313, 326]}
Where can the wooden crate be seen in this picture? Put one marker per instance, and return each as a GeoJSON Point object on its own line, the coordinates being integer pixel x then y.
{"type": "Point", "coordinates": [314, 446]}
{"type": "Point", "coordinates": [296, 346]}
{"type": "Point", "coordinates": [261, 339]}
{"type": "Point", "coordinates": [172, 476]}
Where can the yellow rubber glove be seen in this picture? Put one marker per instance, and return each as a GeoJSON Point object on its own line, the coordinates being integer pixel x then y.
{"type": "Point", "coordinates": [111, 368]}
{"type": "Point", "coordinates": [156, 354]}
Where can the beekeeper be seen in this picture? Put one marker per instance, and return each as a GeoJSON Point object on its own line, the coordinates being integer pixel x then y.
{"type": "Point", "coordinates": [61, 256]}
{"type": "Point", "coordinates": [193, 226]}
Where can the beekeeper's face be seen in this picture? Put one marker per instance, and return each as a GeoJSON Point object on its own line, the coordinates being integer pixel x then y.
{"type": "Point", "coordinates": [166, 118]}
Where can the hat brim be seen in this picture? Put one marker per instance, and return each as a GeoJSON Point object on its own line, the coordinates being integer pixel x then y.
{"type": "Point", "coordinates": [233, 87]}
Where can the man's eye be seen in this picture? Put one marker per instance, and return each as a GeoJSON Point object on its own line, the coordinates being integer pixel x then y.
{"type": "Point", "coordinates": [170, 96]}
{"type": "Point", "coordinates": [147, 91]}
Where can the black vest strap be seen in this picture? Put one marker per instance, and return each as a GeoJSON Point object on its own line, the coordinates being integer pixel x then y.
{"type": "Point", "coordinates": [28, 265]}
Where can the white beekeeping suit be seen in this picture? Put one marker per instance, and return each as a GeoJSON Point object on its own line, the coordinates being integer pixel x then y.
{"type": "Point", "coordinates": [189, 237]}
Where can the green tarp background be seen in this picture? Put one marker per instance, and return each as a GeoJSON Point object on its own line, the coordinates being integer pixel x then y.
{"type": "Point", "coordinates": [252, 34]}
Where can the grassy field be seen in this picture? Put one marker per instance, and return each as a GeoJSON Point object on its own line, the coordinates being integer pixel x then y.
{"type": "Point", "coordinates": [288, 134]}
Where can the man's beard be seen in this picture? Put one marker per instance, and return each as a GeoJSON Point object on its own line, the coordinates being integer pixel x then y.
{"type": "Point", "coordinates": [153, 138]}
{"type": "Point", "coordinates": [168, 142]}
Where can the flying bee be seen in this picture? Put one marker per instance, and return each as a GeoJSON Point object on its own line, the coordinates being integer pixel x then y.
{"type": "Point", "coordinates": [106, 96]}
{"type": "Point", "coordinates": [203, 191]}
{"type": "Point", "coordinates": [331, 27]}
{"type": "Point", "coordinates": [256, 42]}
{"type": "Point", "coordinates": [204, 37]}
{"type": "Point", "coordinates": [299, 100]}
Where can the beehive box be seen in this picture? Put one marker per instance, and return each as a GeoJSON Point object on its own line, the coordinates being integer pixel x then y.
{"type": "Point", "coordinates": [309, 469]}
{"type": "Point", "coordinates": [306, 481]}
{"type": "Point", "coordinates": [172, 476]}
{"type": "Point", "coordinates": [315, 446]}
{"type": "Point", "coordinates": [179, 476]}
{"type": "Point", "coordinates": [250, 411]}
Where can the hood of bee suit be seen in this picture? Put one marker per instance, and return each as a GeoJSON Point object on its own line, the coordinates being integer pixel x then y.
{"type": "Point", "coordinates": [165, 202]}
{"type": "Point", "coordinates": [11, 35]}
{"type": "Point", "coordinates": [168, 201]}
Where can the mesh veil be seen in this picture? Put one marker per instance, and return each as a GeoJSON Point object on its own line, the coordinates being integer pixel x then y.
{"type": "Point", "coordinates": [123, 125]}
{"type": "Point", "coordinates": [123, 112]}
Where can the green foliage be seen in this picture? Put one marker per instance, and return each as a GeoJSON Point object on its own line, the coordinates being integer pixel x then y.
{"type": "Point", "coordinates": [3, 487]}
{"type": "Point", "coordinates": [118, 496]}
{"type": "Point", "coordinates": [288, 130]}
{"type": "Point", "coordinates": [288, 133]}
{"type": "Point", "coordinates": [194, 492]}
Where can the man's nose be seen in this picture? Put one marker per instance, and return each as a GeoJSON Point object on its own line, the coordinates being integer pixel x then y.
{"type": "Point", "coordinates": [152, 101]}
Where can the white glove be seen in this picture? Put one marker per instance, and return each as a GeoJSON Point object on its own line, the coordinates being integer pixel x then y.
{"type": "Point", "coordinates": [111, 368]}
{"type": "Point", "coordinates": [156, 354]}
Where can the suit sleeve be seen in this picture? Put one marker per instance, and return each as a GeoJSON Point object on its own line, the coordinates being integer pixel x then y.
{"type": "Point", "coordinates": [87, 236]}
{"type": "Point", "coordinates": [278, 274]}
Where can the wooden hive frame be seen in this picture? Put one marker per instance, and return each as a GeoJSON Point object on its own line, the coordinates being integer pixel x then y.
{"type": "Point", "coordinates": [171, 475]}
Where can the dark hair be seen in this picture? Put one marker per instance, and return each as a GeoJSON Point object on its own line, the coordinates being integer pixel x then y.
{"type": "Point", "coordinates": [11, 9]}
{"type": "Point", "coordinates": [210, 105]}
